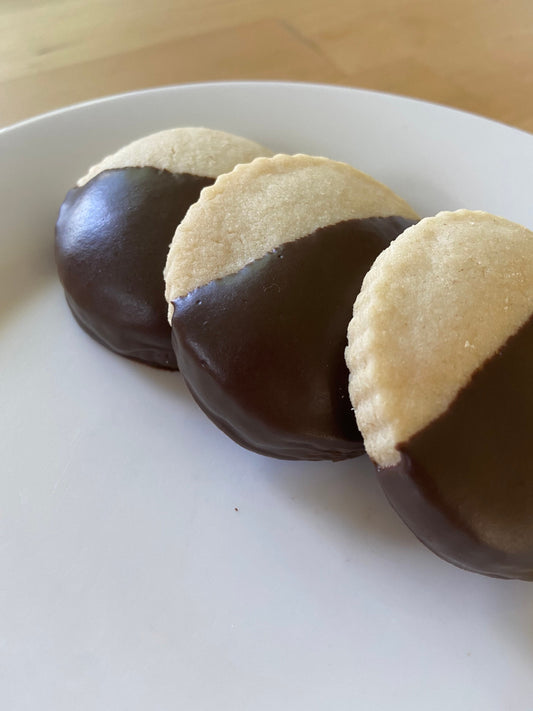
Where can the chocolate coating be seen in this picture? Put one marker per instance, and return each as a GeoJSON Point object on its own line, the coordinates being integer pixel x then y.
{"type": "Point", "coordinates": [465, 482]}
{"type": "Point", "coordinates": [262, 350]}
{"type": "Point", "coordinates": [112, 239]}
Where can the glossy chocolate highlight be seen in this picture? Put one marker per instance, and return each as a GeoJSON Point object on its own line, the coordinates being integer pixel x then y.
{"type": "Point", "coordinates": [465, 482]}
{"type": "Point", "coordinates": [112, 239]}
{"type": "Point", "coordinates": [262, 350]}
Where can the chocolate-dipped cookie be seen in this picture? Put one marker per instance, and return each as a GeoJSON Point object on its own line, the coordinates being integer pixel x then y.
{"type": "Point", "coordinates": [115, 226]}
{"type": "Point", "coordinates": [260, 278]}
{"type": "Point", "coordinates": [440, 349]}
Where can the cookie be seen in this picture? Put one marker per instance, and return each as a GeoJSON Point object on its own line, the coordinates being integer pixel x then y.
{"type": "Point", "coordinates": [439, 351]}
{"type": "Point", "coordinates": [260, 278]}
{"type": "Point", "coordinates": [115, 226]}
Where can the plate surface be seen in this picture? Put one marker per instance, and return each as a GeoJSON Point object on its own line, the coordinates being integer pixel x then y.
{"type": "Point", "coordinates": [147, 562]}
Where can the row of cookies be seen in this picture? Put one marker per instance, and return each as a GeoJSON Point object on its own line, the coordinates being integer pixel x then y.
{"type": "Point", "coordinates": [265, 264]}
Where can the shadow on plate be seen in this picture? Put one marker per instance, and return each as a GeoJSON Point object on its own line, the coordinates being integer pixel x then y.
{"type": "Point", "coordinates": [22, 275]}
{"type": "Point", "coordinates": [345, 495]}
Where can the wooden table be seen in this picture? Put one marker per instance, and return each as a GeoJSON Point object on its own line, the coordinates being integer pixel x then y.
{"type": "Point", "coordinates": [472, 54]}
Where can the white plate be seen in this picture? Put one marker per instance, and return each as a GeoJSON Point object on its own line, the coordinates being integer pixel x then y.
{"type": "Point", "coordinates": [149, 563]}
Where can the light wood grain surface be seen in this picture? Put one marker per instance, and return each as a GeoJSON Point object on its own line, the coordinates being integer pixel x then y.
{"type": "Point", "coordinates": [471, 54]}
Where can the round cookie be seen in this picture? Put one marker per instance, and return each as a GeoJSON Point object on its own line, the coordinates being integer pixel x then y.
{"type": "Point", "coordinates": [440, 380]}
{"type": "Point", "coordinates": [260, 278]}
{"type": "Point", "coordinates": [115, 226]}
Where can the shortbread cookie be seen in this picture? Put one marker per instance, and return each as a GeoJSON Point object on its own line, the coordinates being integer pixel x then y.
{"type": "Point", "coordinates": [115, 226]}
{"type": "Point", "coordinates": [261, 277]}
{"type": "Point", "coordinates": [440, 350]}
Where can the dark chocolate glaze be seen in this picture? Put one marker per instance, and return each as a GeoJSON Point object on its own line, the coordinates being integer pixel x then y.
{"type": "Point", "coordinates": [465, 482]}
{"type": "Point", "coordinates": [262, 350]}
{"type": "Point", "coordinates": [112, 240]}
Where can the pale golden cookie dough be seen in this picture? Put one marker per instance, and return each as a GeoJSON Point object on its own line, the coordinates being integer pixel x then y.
{"type": "Point", "coordinates": [115, 227]}
{"type": "Point", "coordinates": [260, 280]}
{"type": "Point", "coordinates": [436, 304]}
{"type": "Point", "coordinates": [195, 150]}
{"type": "Point", "coordinates": [258, 206]}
